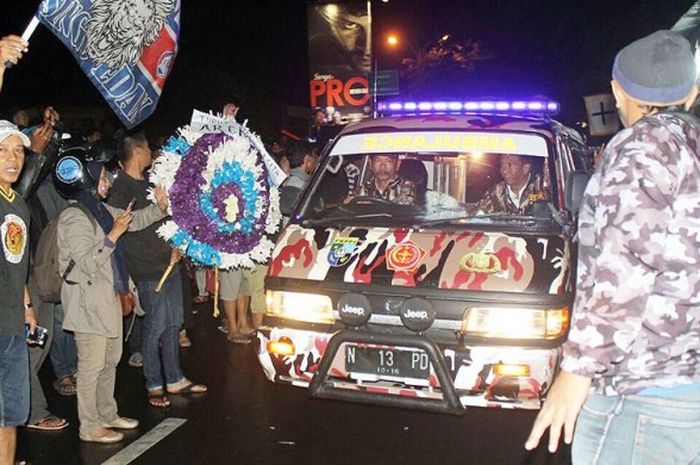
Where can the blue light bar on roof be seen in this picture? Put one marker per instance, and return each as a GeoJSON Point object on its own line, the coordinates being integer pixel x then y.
{"type": "Point", "coordinates": [466, 107]}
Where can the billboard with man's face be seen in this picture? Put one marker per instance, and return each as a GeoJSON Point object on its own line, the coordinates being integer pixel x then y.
{"type": "Point", "coordinates": [340, 58]}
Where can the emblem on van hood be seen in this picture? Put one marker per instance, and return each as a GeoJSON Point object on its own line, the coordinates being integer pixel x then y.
{"type": "Point", "coordinates": [341, 250]}
{"type": "Point", "coordinates": [405, 256]}
{"type": "Point", "coordinates": [478, 262]}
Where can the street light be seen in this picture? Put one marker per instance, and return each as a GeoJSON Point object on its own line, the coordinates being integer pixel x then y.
{"type": "Point", "coordinates": [392, 40]}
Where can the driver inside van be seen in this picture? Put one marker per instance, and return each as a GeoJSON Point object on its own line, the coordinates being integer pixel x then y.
{"type": "Point", "coordinates": [386, 183]}
{"type": "Point", "coordinates": [520, 189]}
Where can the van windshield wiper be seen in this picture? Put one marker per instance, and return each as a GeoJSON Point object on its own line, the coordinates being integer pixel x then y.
{"type": "Point", "coordinates": [483, 219]}
{"type": "Point", "coordinates": [340, 219]}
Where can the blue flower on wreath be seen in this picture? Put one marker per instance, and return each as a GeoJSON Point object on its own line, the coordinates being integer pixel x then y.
{"type": "Point", "coordinates": [177, 145]}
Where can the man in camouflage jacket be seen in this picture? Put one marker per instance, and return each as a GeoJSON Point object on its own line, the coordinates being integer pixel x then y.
{"type": "Point", "coordinates": [633, 353]}
{"type": "Point", "coordinates": [518, 191]}
{"type": "Point", "coordinates": [386, 183]}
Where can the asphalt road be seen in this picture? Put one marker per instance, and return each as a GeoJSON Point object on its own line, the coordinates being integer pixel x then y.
{"type": "Point", "coordinates": [244, 419]}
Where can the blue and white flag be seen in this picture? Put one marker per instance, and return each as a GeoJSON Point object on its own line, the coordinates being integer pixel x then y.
{"type": "Point", "coordinates": [127, 49]}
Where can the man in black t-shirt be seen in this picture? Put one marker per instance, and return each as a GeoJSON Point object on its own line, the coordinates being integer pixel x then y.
{"type": "Point", "coordinates": [147, 257]}
{"type": "Point", "coordinates": [15, 303]}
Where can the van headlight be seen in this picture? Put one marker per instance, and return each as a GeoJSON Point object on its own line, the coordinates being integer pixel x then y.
{"type": "Point", "coordinates": [516, 323]}
{"type": "Point", "coordinates": [312, 308]}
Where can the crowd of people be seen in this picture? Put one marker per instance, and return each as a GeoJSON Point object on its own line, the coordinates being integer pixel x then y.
{"type": "Point", "coordinates": [642, 203]}
{"type": "Point", "coordinates": [88, 195]}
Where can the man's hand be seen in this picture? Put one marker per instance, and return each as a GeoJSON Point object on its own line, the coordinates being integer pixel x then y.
{"type": "Point", "coordinates": [561, 409]}
{"type": "Point", "coordinates": [120, 226]}
{"type": "Point", "coordinates": [30, 319]}
{"type": "Point", "coordinates": [175, 255]}
{"type": "Point", "coordinates": [161, 198]}
{"type": "Point", "coordinates": [12, 48]}
{"type": "Point", "coordinates": [29, 315]}
{"type": "Point", "coordinates": [230, 110]}
{"type": "Point", "coordinates": [41, 137]}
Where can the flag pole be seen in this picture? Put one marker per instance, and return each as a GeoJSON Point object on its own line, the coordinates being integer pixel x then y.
{"type": "Point", "coordinates": [31, 27]}
{"type": "Point", "coordinates": [163, 278]}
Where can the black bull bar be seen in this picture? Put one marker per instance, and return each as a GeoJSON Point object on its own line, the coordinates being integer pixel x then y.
{"type": "Point", "coordinates": [321, 387]}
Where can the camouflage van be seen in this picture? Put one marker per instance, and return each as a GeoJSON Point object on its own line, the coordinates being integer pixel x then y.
{"type": "Point", "coordinates": [429, 263]}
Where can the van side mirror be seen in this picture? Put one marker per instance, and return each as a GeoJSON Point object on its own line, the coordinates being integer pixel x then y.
{"type": "Point", "coordinates": [576, 182]}
{"type": "Point", "coordinates": [288, 199]}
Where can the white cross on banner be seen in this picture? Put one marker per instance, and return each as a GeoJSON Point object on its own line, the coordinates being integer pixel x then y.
{"type": "Point", "coordinates": [602, 114]}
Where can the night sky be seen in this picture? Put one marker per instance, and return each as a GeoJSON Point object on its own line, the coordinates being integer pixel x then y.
{"type": "Point", "coordinates": [254, 52]}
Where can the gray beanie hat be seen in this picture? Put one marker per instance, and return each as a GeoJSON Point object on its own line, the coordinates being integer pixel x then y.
{"type": "Point", "coordinates": [659, 68]}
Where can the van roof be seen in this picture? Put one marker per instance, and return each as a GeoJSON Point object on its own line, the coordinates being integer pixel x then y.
{"type": "Point", "coordinates": [539, 125]}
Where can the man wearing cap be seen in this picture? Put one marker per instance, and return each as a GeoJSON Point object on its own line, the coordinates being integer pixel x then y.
{"type": "Point", "coordinates": [630, 379]}
{"type": "Point", "coordinates": [15, 304]}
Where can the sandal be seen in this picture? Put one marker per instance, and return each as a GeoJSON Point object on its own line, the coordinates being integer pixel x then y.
{"type": "Point", "coordinates": [65, 386]}
{"type": "Point", "coordinates": [136, 360]}
{"type": "Point", "coordinates": [250, 333]}
{"type": "Point", "coordinates": [50, 423]}
{"type": "Point", "coordinates": [239, 339]}
{"type": "Point", "coordinates": [158, 399]}
{"type": "Point", "coordinates": [189, 388]}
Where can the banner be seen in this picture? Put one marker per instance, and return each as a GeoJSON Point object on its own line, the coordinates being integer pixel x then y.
{"type": "Point", "coordinates": [603, 119]}
{"type": "Point", "coordinates": [206, 122]}
{"type": "Point", "coordinates": [340, 59]}
{"type": "Point", "coordinates": [126, 49]}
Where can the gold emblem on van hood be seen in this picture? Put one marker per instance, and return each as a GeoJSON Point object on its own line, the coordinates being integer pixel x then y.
{"type": "Point", "coordinates": [478, 262]}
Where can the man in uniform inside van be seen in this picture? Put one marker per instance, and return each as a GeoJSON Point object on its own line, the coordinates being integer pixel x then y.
{"type": "Point", "coordinates": [518, 191]}
{"type": "Point", "coordinates": [385, 182]}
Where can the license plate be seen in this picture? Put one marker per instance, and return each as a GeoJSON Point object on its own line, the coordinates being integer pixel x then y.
{"type": "Point", "coordinates": [387, 363]}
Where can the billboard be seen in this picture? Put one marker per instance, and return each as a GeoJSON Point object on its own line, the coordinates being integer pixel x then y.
{"type": "Point", "coordinates": [340, 58]}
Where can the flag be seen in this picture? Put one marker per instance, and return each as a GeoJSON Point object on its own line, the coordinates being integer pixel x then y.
{"type": "Point", "coordinates": [126, 49]}
{"type": "Point", "coordinates": [603, 119]}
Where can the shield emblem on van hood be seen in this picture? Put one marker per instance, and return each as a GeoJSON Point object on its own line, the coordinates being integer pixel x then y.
{"type": "Point", "coordinates": [463, 260]}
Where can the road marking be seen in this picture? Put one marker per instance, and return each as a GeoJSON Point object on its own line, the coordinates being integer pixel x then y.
{"type": "Point", "coordinates": [145, 442]}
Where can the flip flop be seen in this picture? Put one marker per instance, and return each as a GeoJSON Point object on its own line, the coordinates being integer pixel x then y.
{"type": "Point", "coordinates": [239, 339]}
{"type": "Point", "coordinates": [190, 388]}
{"type": "Point", "coordinates": [200, 299]}
{"type": "Point", "coordinates": [158, 400]}
{"type": "Point", "coordinates": [65, 386]}
{"type": "Point", "coordinates": [50, 423]}
{"type": "Point", "coordinates": [249, 334]}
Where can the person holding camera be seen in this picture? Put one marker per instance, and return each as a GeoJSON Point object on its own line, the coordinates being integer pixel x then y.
{"type": "Point", "coordinates": [97, 290]}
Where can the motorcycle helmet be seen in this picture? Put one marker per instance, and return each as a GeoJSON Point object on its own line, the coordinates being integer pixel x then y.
{"type": "Point", "coordinates": [70, 174]}
{"type": "Point", "coordinates": [103, 151]}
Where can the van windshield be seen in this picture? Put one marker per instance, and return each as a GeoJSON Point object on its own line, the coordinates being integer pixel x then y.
{"type": "Point", "coordinates": [425, 186]}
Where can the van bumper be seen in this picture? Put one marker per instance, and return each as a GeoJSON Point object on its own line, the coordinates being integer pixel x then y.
{"type": "Point", "coordinates": [459, 376]}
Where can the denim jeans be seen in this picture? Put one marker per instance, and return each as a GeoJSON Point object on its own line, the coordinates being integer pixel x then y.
{"type": "Point", "coordinates": [160, 329]}
{"type": "Point", "coordinates": [14, 381]}
{"type": "Point", "coordinates": [64, 355]}
{"type": "Point", "coordinates": [638, 430]}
